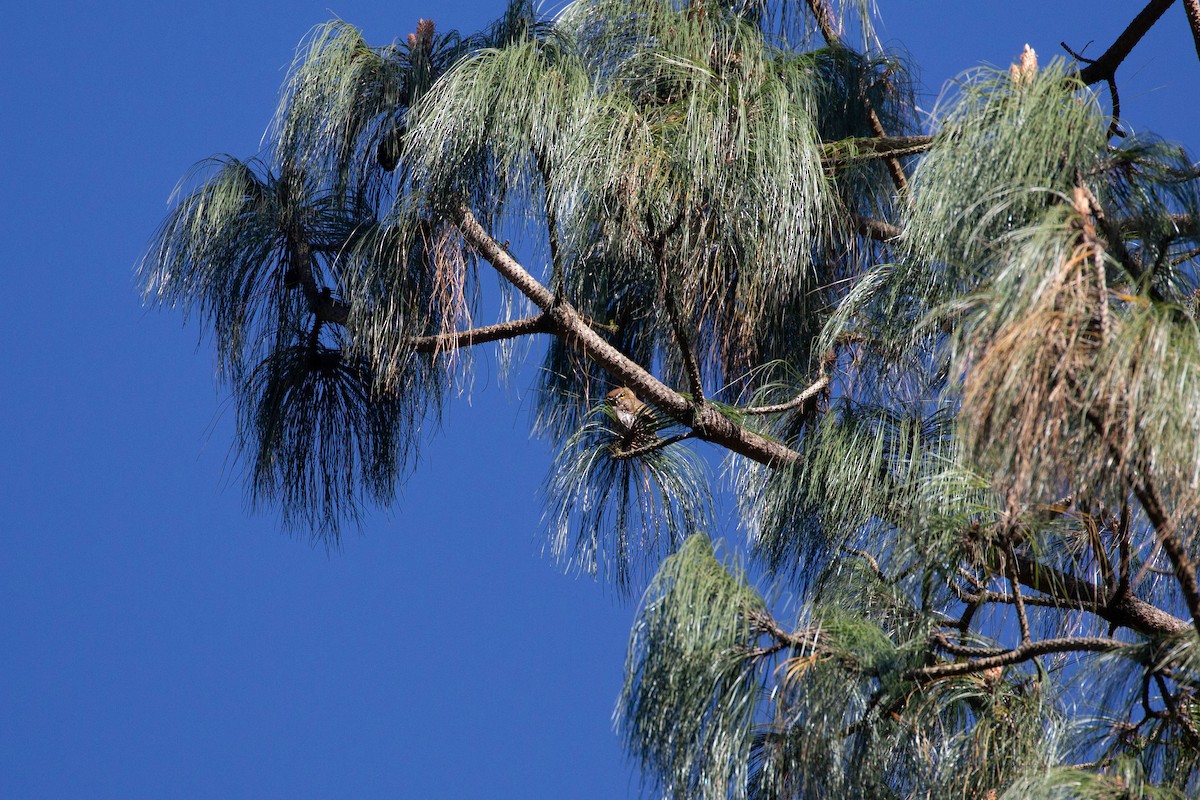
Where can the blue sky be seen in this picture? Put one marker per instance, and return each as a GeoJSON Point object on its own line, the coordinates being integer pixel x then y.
{"type": "Point", "coordinates": [160, 641]}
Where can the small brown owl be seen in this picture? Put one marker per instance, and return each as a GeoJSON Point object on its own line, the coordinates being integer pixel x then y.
{"type": "Point", "coordinates": [634, 421]}
{"type": "Point", "coordinates": [626, 404]}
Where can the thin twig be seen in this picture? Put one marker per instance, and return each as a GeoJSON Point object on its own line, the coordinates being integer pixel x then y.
{"type": "Point", "coordinates": [867, 557]}
{"type": "Point", "coordinates": [1124, 544]}
{"type": "Point", "coordinates": [682, 340]}
{"type": "Point", "coordinates": [1019, 600]}
{"type": "Point", "coordinates": [557, 273]}
{"type": "Point", "coordinates": [650, 447]}
{"type": "Point", "coordinates": [819, 386]}
{"type": "Point", "coordinates": [483, 335]}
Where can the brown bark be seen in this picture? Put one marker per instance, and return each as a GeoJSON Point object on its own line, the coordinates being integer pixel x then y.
{"type": "Point", "coordinates": [568, 324]}
{"type": "Point", "coordinates": [1105, 67]}
{"type": "Point", "coordinates": [1192, 9]}
{"type": "Point", "coordinates": [1124, 609]}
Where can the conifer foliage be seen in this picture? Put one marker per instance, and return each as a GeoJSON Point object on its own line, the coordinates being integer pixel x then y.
{"type": "Point", "coordinates": [955, 372]}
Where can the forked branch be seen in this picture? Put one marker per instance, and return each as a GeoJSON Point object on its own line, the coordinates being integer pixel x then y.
{"type": "Point", "coordinates": [569, 325]}
{"type": "Point", "coordinates": [1105, 67]}
{"type": "Point", "coordinates": [820, 10]}
{"type": "Point", "coordinates": [1016, 655]}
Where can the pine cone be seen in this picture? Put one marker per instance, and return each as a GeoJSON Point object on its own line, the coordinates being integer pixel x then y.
{"type": "Point", "coordinates": [422, 38]}
{"type": "Point", "coordinates": [1023, 72]}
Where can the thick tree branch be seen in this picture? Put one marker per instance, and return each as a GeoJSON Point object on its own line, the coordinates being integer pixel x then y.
{"type": "Point", "coordinates": [567, 323]}
{"type": "Point", "coordinates": [1105, 67]}
{"type": "Point", "coordinates": [1168, 539]}
{"type": "Point", "coordinates": [1015, 656]}
{"type": "Point", "coordinates": [500, 259]}
{"type": "Point", "coordinates": [1192, 9]}
{"type": "Point", "coordinates": [1124, 610]}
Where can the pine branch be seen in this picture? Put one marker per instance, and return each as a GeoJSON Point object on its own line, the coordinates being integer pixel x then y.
{"type": "Point", "coordinates": [1185, 224]}
{"type": "Point", "coordinates": [1126, 610]}
{"type": "Point", "coordinates": [682, 340]}
{"type": "Point", "coordinates": [319, 299]}
{"type": "Point", "coordinates": [819, 386]}
{"type": "Point", "coordinates": [1124, 544]}
{"type": "Point", "coordinates": [877, 229]}
{"type": "Point", "coordinates": [1114, 125]}
{"type": "Point", "coordinates": [824, 17]}
{"type": "Point", "coordinates": [1016, 655]}
{"type": "Point", "coordinates": [1146, 492]}
{"type": "Point", "coordinates": [852, 151]}
{"type": "Point", "coordinates": [557, 275]}
{"type": "Point", "coordinates": [1063, 590]}
{"type": "Point", "coordinates": [568, 324]}
{"type": "Point", "coordinates": [1105, 67]}
{"type": "Point", "coordinates": [869, 559]}
{"type": "Point", "coordinates": [1018, 598]}
{"type": "Point", "coordinates": [1177, 714]}
{"type": "Point", "coordinates": [940, 641]}
{"type": "Point", "coordinates": [988, 596]}
{"type": "Point", "coordinates": [1168, 539]}
{"type": "Point", "coordinates": [1192, 9]}
{"type": "Point", "coordinates": [799, 640]}
{"type": "Point", "coordinates": [489, 333]}
{"type": "Point", "coordinates": [650, 447]}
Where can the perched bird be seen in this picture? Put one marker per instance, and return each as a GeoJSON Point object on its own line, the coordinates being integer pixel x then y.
{"type": "Point", "coordinates": [626, 404]}
{"type": "Point", "coordinates": [635, 423]}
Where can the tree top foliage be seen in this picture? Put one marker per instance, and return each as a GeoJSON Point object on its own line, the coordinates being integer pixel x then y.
{"type": "Point", "coordinates": [955, 370]}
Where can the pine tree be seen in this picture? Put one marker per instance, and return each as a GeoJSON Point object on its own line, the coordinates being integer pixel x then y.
{"type": "Point", "coordinates": [955, 370]}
